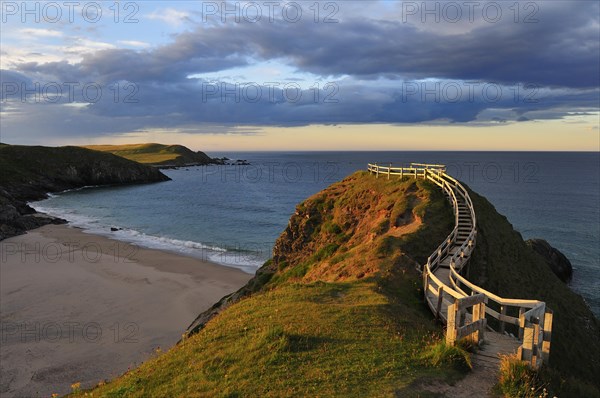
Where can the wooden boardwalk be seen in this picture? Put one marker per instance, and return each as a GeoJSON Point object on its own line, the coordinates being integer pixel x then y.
{"type": "Point", "coordinates": [493, 344]}
{"type": "Point", "coordinates": [520, 327]}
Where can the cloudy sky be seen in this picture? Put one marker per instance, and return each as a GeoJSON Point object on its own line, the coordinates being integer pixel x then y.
{"type": "Point", "coordinates": [303, 75]}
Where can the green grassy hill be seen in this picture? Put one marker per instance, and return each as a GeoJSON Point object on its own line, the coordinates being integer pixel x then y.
{"type": "Point", "coordinates": [338, 311]}
{"type": "Point", "coordinates": [156, 154]}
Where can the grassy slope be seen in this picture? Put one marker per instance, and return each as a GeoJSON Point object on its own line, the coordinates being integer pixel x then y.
{"type": "Point", "coordinates": [359, 331]}
{"type": "Point", "coordinates": [156, 154]}
{"type": "Point", "coordinates": [504, 264]}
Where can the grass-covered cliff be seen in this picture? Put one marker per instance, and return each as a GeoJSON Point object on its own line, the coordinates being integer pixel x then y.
{"type": "Point", "coordinates": [338, 311]}
{"type": "Point", "coordinates": [504, 264]}
{"type": "Point", "coordinates": [157, 154]}
{"type": "Point", "coordinates": [30, 172]}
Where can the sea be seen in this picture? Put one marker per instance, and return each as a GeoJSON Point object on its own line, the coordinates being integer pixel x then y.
{"type": "Point", "coordinates": [232, 215]}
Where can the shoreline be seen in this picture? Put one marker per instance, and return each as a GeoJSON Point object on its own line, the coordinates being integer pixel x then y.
{"type": "Point", "coordinates": [81, 307]}
{"type": "Point", "coordinates": [187, 248]}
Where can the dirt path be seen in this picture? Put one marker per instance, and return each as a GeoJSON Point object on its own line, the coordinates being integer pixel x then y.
{"type": "Point", "coordinates": [486, 362]}
{"type": "Point", "coordinates": [477, 384]}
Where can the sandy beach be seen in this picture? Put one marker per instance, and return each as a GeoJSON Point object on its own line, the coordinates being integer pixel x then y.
{"type": "Point", "coordinates": [76, 307]}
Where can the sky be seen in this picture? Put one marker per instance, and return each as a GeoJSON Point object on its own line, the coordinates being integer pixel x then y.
{"type": "Point", "coordinates": [279, 75]}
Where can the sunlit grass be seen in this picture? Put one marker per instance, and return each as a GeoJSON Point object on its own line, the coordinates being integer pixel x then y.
{"type": "Point", "coordinates": [318, 339]}
{"type": "Point", "coordinates": [146, 153]}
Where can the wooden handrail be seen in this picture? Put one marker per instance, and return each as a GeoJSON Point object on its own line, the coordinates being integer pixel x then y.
{"type": "Point", "coordinates": [536, 321]}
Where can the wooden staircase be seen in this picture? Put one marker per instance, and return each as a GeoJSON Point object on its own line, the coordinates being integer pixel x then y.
{"type": "Point", "coordinates": [521, 327]}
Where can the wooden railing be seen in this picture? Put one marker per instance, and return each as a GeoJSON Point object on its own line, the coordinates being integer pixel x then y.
{"type": "Point", "coordinates": [474, 330]}
{"type": "Point", "coordinates": [531, 320]}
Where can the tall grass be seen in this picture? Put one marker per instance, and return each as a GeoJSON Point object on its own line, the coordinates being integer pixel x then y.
{"type": "Point", "coordinates": [442, 354]}
{"type": "Point", "coordinates": [519, 380]}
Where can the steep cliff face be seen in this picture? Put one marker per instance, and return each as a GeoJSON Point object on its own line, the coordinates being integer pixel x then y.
{"type": "Point", "coordinates": [29, 172]}
{"type": "Point", "coordinates": [504, 264]}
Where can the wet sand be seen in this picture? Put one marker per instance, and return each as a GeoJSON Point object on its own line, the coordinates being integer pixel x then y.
{"type": "Point", "coordinates": [76, 307]}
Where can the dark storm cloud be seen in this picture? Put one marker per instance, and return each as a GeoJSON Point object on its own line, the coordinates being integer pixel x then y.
{"type": "Point", "coordinates": [197, 101]}
{"type": "Point", "coordinates": [373, 62]}
{"type": "Point", "coordinates": [561, 49]}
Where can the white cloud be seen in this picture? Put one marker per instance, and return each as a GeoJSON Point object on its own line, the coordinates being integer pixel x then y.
{"type": "Point", "coordinates": [170, 16]}
{"type": "Point", "coordinates": [81, 46]}
{"type": "Point", "coordinates": [72, 51]}
{"type": "Point", "coordinates": [134, 43]}
{"type": "Point", "coordinates": [12, 55]}
{"type": "Point", "coordinates": [40, 32]}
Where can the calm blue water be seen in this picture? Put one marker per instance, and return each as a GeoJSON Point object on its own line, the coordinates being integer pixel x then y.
{"type": "Point", "coordinates": [233, 214]}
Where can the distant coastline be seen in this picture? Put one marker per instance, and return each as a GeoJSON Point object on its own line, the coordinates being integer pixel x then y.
{"type": "Point", "coordinates": [164, 156]}
{"type": "Point", "coordinates": [31, 172]}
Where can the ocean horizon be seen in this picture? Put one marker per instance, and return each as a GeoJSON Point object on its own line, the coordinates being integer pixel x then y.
{"type": "Point", "coordinates": [232, 215]}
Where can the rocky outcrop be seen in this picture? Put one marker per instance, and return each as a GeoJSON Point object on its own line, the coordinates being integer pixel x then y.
{"type": "Point", "coordinates": [16, 217]}
{"type": "Point", "coordinates": [557, 261]}
{"type": "Point", "coordinates": [30, 172]}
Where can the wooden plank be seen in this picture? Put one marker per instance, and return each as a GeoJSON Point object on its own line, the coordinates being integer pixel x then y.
{"type": "Point", "coordinates": [536, 357]}
{"type": "Point", "coordinates": [470, 301]}
{"type": "Point", "coordinates": [497, 299]}
{"type": "Point", "coordinates": [439, 303]}
{"type": "Point", "coordinates": [447, 289]}
{"type": "Point", "coordinates": [504, 318]}
{"type": "Point", "coordinates": [547, 337]}
{"type": "Point", "coordinates": [471, 328]}
{"type": "Point", "coordinates": [521, 322]}
{"type": "Point", "coordinates": [478, 315]}
{"type": "Point", "coordinates": [433, 290]}
{"type": "Point", "coordinates": [527, 347]}
{"type": "Point", "coordinates": [451, 325]}
{"type": "Point", "coordinates": [536, 312]}
{"type": "Point", "coordinates": [425, 282]}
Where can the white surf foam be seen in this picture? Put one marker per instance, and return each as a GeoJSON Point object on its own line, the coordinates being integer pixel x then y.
{"type": "Point", "coordinates": [231, 258]}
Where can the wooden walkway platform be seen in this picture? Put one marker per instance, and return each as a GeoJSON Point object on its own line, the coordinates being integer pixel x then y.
{"type": "Point", "coordinates": [464, 307]}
